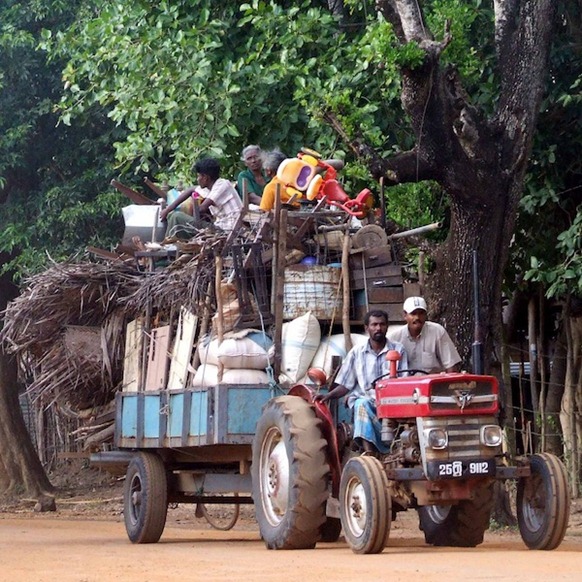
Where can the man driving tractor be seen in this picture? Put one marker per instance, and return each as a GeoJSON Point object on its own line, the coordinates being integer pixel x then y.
{"type": "Point", "coordinates": [362, 365]}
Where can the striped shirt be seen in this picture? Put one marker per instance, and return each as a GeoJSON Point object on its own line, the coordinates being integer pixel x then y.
{"type": "Point", "coordinates": [227, 204]}
{"type": "Point", "coordinates": [363, 365]}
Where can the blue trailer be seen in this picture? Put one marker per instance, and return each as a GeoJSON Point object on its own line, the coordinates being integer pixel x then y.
{"type": "Point", "coordinates": [183, 446]}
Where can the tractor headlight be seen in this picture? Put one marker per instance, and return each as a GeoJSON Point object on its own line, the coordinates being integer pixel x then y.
{"type": "Point", "coordinates": [491, 435]}
{"type": "Point", "coordinates": [437, 438]}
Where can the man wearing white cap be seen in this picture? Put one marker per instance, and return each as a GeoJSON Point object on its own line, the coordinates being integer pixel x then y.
{"type": "Point", "coordinates": [427, 344]}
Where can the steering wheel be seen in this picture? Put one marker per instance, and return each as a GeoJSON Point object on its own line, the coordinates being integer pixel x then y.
{"type": "Point", "coordinates": [412, 372]}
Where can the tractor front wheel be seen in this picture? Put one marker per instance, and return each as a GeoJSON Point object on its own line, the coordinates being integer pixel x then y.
{"type": "Point", "coordinates": [543, 503]}
{"type": "Point", "coordinates": [365, 505]}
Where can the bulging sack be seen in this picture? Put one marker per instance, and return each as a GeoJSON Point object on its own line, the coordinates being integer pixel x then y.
{"type": "Point", "coordinates": [300, 340]}
{"type": "Point", "coordinates": [242, 353]}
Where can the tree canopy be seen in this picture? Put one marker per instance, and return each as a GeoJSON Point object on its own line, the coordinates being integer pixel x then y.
{"type": "Point", "coordinates": [53, 179]}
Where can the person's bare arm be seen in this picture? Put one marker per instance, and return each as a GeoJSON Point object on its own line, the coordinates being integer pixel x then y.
{"type": "Point", "coordinates": [184, 195]}
{"type": "Point", "coordinates": [337, 392]}
{"type": "Point", "coordinates": [205, 206]}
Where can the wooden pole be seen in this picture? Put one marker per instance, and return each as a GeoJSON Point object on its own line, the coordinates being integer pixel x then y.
{"type": "Point", "coordinates": [533, 355]}
{"type": "Point", "coordinates": [279, 283]}
{"type": "Point", "coordinates": [219, 308]}
{"type": "Point", "coordinates": [421, 271]}
{"type": "Point", "coordinates": [203, 327]}
{"type": "Point", "coordinates": [346, 291]}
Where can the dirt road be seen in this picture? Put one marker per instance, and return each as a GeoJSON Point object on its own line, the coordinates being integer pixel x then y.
{"type": "Point", "coordinates": [45, 549]}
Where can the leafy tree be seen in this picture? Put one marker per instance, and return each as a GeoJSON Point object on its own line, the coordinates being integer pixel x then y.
{"type": "Point", "coordinates": [471, 100]}
{"type": "Point", "coordinates": [53, 179]}
{"type": "Point", "coordinates": [52, 197]}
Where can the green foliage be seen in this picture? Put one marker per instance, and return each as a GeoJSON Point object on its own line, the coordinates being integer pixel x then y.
{"type": "Point", "coordinates": [565, 277]}
{"type": "Point", "coordinates": [548, 238]}
{"type": "Point", "coordinates": [50, 177]}
{"type": "Point", "coordinates": [187, 78]}
{"type": "Point", "coordinates": [192, 78]}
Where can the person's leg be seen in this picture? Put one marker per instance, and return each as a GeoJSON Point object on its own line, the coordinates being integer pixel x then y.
{"type": "Point", "coordinates": [183, 225]}
{"type": "Point", "coordinates": [367, 427]}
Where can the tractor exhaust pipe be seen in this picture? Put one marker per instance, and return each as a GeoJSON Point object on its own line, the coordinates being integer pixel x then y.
{"type": "Point", "coordinates": [477, 347]}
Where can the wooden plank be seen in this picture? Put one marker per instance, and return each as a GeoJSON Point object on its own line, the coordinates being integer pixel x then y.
{"type": "Point", "coordinates": [158, 358]}
{"type": "Point", "coordinates": [182, 351]}
{"type": "Point", "coordinates": [380, 271]}
{"type": "Point", "coordinates": [374, 282]}
{"type": "Point", "coordinates": [155, 188]}
{"type": "Point", "coordinates": [373, 257]}
{"type": "Point", "coordinates": [133, 349]}
{"type": "Point", "coordinates": [394, 311]}
{"type": "Point", "coordinates": [386, 295]}
{"type": "Point", "coordinates": [103, 253]}
{"type": "Point", "coordinates": [412, 290]}
{"type": "Point", "coordinates": [132, 194]}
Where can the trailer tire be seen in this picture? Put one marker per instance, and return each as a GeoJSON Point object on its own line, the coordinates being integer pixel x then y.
{"type": "Point", "coordinates": [290, 474]}
{"type": "Point", "coordinates": [145, 498]}
{"type": "Point", "coordinates": [543, 503]}
{"type": "Point", "coordinates": [462, 525]}
{"type": "Point", "coordinates": [365, 505]}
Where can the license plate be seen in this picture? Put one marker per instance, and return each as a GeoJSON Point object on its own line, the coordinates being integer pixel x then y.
{"type": "Point", "coordinates": [438, 470]}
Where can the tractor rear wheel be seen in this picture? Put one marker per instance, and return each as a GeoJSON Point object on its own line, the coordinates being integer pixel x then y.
{"type": "Point", "coordinates": [365, 505]}
{"type": "Point", "coordinates": [543, 503]}
{"type": "Point", "coordinates": [290, 474]}
{"type": "Point", "coordinates": [145, 498]}
{"type": "Point", "coordinates": [462, 525]}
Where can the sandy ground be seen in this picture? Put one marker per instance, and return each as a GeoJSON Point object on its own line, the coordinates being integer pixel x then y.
{"type": "Point", "coordinates": [85, 541]}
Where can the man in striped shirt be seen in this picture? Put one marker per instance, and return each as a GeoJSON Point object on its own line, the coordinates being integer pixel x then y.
{"type": "Point", "coordinates": [364, 364]}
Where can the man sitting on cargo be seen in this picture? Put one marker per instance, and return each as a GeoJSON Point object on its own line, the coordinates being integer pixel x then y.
{"type": "Point", "coordinates": [427, 343]}
{"type": "Point", "coordinates": [362, 365]}
{"type": "Point", "coordinates": [222, 203]}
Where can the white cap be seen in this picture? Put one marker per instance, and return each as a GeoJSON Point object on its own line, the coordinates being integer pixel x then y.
{"type": "Point", "coordinates": [413, 303]}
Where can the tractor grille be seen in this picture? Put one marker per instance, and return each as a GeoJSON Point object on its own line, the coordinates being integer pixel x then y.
{"type": "Point", "coordinates": [470, 396]}
{"type": "Point", "coordinates": [464, 438]}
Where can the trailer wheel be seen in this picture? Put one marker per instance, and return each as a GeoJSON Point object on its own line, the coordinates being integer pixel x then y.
{"type": "Point", "coordinates": [290, 474]}
{"type": "Point", "coordinates": [145, 498]}
{"type": "Point", "coordinates": [462, 525]}
{"type": "Point", "coordinates": [543, 503]}
{"type": "Point", "coordinates": [365, 505]}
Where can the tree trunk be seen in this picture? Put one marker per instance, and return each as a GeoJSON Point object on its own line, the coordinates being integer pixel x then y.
{"type": "Point", "coordinates": [21, 472]}
{"type": "Point", "coordinates": [20, 469]}
{"type": "Point", "coordinates": [555, 394]}
{"type": "Point", "coordinates": [572, 402]}
{"type": "Point", "coordinates": [479, 159]}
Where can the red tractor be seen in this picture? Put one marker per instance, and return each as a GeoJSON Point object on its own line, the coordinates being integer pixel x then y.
{"type": "Point", "coordinates": [445, 455]}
